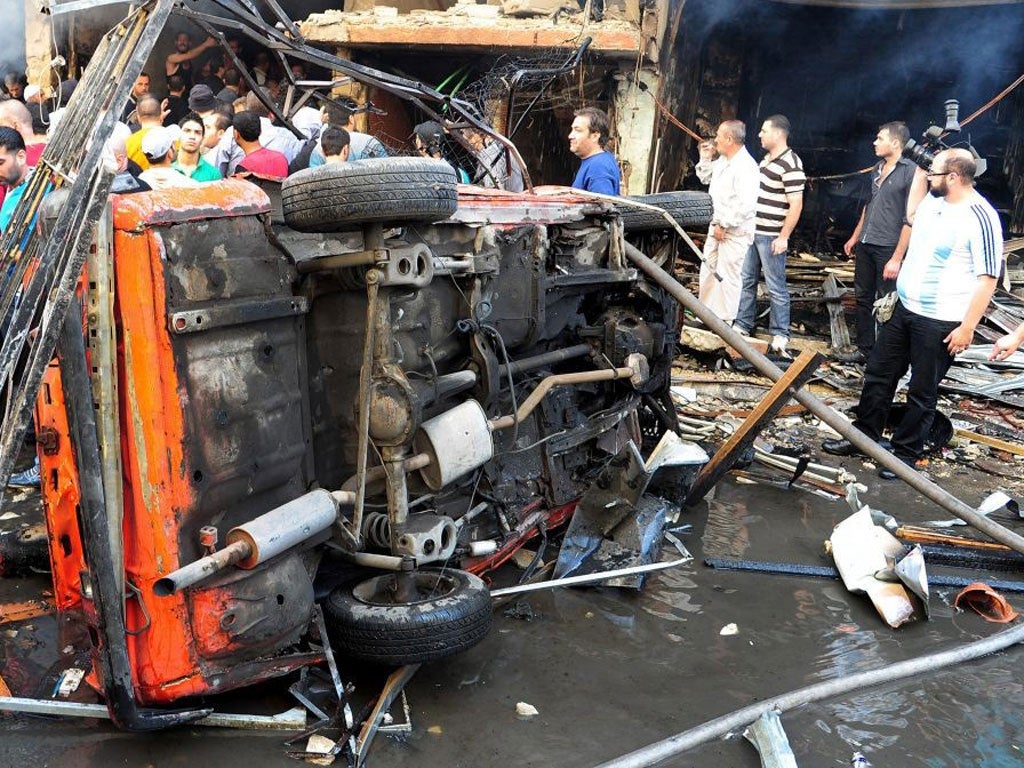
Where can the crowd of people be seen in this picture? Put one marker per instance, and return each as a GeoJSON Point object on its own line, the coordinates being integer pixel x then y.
{"type": "Point", "coordinates": [925, 238]}
{"type": "Point", "coordinates": [927, 249]}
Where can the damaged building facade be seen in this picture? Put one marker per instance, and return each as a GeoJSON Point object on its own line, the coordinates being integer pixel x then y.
{"type": "Point", "coordinates": [665, 70]}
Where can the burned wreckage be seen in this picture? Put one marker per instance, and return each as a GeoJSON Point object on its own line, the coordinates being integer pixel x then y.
{"type": "Point", "coordinates": [370, 365]}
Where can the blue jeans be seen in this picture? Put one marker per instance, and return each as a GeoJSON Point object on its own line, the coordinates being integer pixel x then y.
{"type": "Point", "coordinates": [912, 341]}
{"type": "Point", "coordinates": [761, 259]}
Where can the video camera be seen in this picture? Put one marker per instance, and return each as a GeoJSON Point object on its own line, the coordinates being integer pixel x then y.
{"type": "Point", "coordinates": [923, 153]}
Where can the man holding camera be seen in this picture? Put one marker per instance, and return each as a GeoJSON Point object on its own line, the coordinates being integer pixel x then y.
{"type": "Point", "coordinates": [734, 180]}
{"type": "Point", "coordinates": [944, 286]}
{"type": "Point", "coordinates": [880, 238]}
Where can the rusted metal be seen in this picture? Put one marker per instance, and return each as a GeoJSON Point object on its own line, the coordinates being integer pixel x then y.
{"type": "Point", "coordinates": [798, 374]}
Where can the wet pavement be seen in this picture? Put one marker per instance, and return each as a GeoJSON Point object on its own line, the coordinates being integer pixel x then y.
{"type": "Point", "coordinates": [612, 671]}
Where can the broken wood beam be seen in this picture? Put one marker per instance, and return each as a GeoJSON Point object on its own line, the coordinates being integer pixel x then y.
{"type": "Point", "coordinates": [836, 314]}
{"type": "Point", "coordinates": [993, 442]}
{"type": "Point", "coordinates": [798, 374]}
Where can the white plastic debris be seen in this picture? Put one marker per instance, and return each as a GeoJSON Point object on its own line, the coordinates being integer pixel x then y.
{"type": "Point", "coordinates": [526, 710]}
{"type": "Point", "coordinates": [729, 629]}
{"type": "Point", "coordinates": [70, 681]}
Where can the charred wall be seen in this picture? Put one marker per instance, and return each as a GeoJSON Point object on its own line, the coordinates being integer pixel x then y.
{"type": "Point", "coordinates": [838, 74]}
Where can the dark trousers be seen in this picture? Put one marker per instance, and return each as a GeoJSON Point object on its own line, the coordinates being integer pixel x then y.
{"type": "Point", "coordinates": [868, 286]}
{"type": "Point", "coordinates": [911, 341]}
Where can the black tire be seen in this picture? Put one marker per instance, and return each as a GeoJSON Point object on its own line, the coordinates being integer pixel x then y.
{"type": "Point", "coordinates": [689, 209]}
{"type": "Point", "coordinates": [331, 198]}
{"type": "Point", "coordinates": [453, 615]}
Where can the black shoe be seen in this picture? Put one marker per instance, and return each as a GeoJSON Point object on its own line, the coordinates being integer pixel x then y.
{"type": "Point", "coordinates": [887, 474]}
{"type": "Point", "coordinates": [840, 446]}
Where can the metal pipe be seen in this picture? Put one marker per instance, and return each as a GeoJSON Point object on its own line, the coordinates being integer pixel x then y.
{"type": "Point", "coordinates": [547, 358]}
{"type": "Point", "coordinates": [258, 540]}
{"type": "Point", "coordinates": [588, 578]}
{"type": "Point", "coordinates": [580, 377]}
{"type": "Point", "coordinates": [201, 569]}
{"type": "Point", "coordinates": [376, 474]}
{"type": "Point", "coordinates": [363, 404]}
{"type": "Point", "coordinates": [674, 745]}
{"type": "Point", "coordinates": [824, 412]}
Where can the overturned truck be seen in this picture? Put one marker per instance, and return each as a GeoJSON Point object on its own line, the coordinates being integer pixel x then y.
{"type": "Point", "coordinates": [359, 389]}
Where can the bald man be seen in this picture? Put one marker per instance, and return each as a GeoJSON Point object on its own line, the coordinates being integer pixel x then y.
{"type": "Point", "coordinates": [945, 283]}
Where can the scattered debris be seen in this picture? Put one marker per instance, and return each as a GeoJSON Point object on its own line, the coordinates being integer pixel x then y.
{"type": "Point", "coordinates": [863, 553]}
{"type": "Point", "coordinates": [770, 740]}
{"type": "Point", "coordinates": [526, 710]}
{"type": "Point", "coordinates": [729, 630]}
{"type": "Point", "coordinates": [985, 601]}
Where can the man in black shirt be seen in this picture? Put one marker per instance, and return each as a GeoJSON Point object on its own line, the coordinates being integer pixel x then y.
{"type": "Point", "coordinates": [879, 241]}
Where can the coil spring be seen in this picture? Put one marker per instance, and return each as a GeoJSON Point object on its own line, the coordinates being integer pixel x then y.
{"type": "Point", "coordinates": [377, 529]}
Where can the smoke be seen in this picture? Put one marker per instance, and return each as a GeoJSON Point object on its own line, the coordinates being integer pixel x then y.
{"type": "Point", "coordinates": [841, 72]}
{"type": "Point", "coordinates": [12, 38]}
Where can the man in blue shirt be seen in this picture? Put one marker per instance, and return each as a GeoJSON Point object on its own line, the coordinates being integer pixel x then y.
{"type": "Point", "coordinates": [13, 171]}
{"type": "Point", "coordinates": [599, 171]}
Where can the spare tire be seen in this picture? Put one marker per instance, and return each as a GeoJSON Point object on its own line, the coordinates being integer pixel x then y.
{"type": "Point", "coordinates": [333, 197]}
{"type": "Point", "coordinates": [451, 614]}
{"type": "Point", "coordinates": [688, 208]}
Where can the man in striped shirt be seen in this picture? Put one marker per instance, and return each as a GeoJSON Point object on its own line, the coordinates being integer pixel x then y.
{"type": "Point", "coordinates": [779, 203]}
{"type": "Point", "coordinates": [944, 285]}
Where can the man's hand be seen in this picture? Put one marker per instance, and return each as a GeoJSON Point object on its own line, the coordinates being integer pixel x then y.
{"type": "Point", "coordinates": [1007, 345]}
{"type": "Point", "coordinates": [849, 245]}
{"type": "Point", "coordinates": [780, 245]}
{"type": "Point", "coordinates": [892, 269]}
{"type": "Point", "coordinates": [718, 232]}
{"type": "Point", "coordinates": [959, 340]}
{"type": "Point", "coordinates": [706, 149]}
{"type": "Point", "coordinates": [165, 109]}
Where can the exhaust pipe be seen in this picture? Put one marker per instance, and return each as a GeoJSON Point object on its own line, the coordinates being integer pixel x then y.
{"type": "Point", "coordinates": [258, 540]}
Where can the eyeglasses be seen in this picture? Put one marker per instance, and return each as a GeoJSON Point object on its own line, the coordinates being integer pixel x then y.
{"type": "Point", "coordinates": [939, 173]}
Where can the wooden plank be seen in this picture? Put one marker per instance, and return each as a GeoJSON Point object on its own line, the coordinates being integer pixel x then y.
{"type": "Point", "coordinates": [836, 314]}
{"type": "Point", "coordinates": [995, 442]}
{"type": "Point", "coordinates": [798, 374]}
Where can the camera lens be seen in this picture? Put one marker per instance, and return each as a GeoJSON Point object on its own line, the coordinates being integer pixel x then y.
{"type": "Point", "coordinates": [918, 154]}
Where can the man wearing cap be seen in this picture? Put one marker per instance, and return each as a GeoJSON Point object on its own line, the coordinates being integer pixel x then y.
{"type": "Point", "coordinates": [158, 147]}
{"type": "Point", "coordinates": [39, 108]}
{"type": "Point", "coordinates": [150, 117]}
{"type": "Point", "coordinates": [189, 161]}
{"type": "Point", "coordinates": [202, 100]}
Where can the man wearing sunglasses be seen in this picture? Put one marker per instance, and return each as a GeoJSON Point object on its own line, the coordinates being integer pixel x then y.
{"type": "Point", "coordinates": [944, 285]}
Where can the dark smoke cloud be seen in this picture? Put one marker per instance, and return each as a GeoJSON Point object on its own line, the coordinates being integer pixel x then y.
{"type": "Point", "coordinates": [842, 72]}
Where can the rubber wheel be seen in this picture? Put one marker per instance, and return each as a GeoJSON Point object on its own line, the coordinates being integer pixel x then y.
{"type": "Point", "coordinates": [452, 614]}
{"type": "Point", "coordinates": [688, 208]}
{"type": "Point", "coordinates": [332, 197]}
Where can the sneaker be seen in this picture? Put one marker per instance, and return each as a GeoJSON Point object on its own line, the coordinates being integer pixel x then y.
{"type": "Point", "coordinates": [778, 347]}
{"type": "Point", "coordinates": [740, 329]}
{"type": "Point", "coordinates": [27, 478]}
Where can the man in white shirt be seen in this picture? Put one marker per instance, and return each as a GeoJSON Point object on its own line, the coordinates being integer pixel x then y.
{"type": "Point", "coordinates": [734, 182]}
{"type": "Point", "coordinates": [944, 285]}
